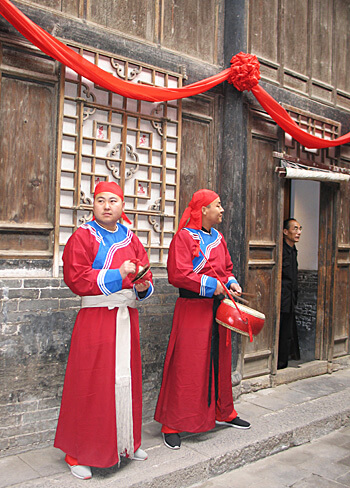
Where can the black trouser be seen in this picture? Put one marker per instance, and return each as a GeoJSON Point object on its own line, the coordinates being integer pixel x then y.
{"type": "Point", "coordinates": [288, 341]}
{"type": "Point", "coordinates": [214, 349]}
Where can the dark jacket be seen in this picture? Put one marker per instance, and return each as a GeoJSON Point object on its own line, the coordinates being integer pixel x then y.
{"type": "Point", "coordinates": [289, 292]}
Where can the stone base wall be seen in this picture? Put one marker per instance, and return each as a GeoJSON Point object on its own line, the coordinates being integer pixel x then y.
{"type": "Point", "coordinates": [37, 318]}
{"type": "Point", "coordinates": [306, 313]}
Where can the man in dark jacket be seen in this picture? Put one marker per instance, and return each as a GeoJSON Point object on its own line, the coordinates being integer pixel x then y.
{"type": "Point", "coordinates": [288, 338]}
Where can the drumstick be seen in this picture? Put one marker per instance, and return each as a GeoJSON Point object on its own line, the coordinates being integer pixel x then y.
{"type": "Point", "coordinates": [252, 295]}
{"type": "Point", "coordinates": [237, 297]}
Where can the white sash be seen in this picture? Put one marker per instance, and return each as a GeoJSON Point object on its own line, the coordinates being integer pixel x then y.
{"type": "Point", "coordinates": [123, 395]}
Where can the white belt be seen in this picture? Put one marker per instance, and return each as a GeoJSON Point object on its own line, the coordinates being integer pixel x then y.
{"type": "Point", "coordinates": [123, 395]}
{"type": "Point", "coordinates": [122, 298]}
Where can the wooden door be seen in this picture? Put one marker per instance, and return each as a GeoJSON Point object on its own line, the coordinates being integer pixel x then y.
{"type": "Point", "coordinates": [333, 308]}
{"type": "Point", "coordinates": [325, 287]}
{"type": "Point", "coordinates": [263, 237]}
{"type": "Point", "coordinates": [198, 147]}
{"type": "Point", "coordinates": [341, 316]}
{"type": "Point", "coordinates": [28, 106]}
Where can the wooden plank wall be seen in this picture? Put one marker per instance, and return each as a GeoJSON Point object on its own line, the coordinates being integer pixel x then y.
{"type": "Point", "coordinates": [191, 28]}
{"type": "Point", "coordinates": [28, 101]}
{"type": "Point", "coordinates": [302, 45]}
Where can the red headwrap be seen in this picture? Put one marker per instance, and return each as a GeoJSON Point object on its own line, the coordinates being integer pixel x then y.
{"type": "Point", "coordinates": [111, 187]}
{"type": "Point", "coordinates": [201, 198]}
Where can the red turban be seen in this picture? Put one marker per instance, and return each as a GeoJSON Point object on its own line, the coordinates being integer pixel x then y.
{"type": "Point", "coordinates": [193, 213]}
{"type": "Point", "coordinates": [111, 187]}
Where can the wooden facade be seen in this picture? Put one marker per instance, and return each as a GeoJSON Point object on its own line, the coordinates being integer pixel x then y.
{"type": "Point", "coordinates": [303, 46]}
{"type": "Point", "coordinates": [58, 133]}
{"type": "Point", "coordinates": [268, 204]}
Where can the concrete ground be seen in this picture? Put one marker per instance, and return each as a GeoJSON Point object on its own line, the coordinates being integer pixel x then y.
{"type": "Point", "coordinates": [295, 414]}
{"type": "Point", "coordinates": [323, 463]}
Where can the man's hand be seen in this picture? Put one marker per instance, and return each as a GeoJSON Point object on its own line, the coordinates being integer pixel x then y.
{"type": "Point", "coordinates": [126, 268]}
{"type": "Point", "coordinates": [235, 289]}
{"type": "Point", "coordinates": [220, 290]}
{"type": "Point", "coordinates": [142, 286]}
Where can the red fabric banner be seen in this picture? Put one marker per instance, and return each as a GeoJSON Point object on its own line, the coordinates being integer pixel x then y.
{"type": "Point", "coordinates": [59, 51]}
{"type": "Point", "coordinates": [244, 74]}
{"type": "Point", "coordinates": [286, 123]}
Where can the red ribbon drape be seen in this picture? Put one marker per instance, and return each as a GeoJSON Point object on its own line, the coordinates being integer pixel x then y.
{"type": "Point", "coordinates": [244, 66]}
{"type": "Point", "coordinates": [286, 123]}
{"type": "Point", "coordinates": [65, 55]}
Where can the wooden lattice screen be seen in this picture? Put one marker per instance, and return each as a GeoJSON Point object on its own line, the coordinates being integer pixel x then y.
{"type": "Point", "coordinates": [317, 126]}
{"type": "Point", "coordinates": [135, 143]}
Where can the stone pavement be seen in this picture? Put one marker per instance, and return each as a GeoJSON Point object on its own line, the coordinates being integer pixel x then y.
{"type": "Point", "coordinates": [323, 463]}
{"type": "Point", "coordinates": [282, 417]}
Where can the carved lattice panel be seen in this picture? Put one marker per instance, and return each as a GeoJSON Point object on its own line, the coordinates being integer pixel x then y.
{"type": "Point", "coordinates": [317, 126]}
{"type": "Point", "coordinates": [135, 143]}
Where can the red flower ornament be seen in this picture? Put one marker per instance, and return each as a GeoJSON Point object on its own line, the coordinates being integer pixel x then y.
{"type": "Point", "coordinates": [245, 71]}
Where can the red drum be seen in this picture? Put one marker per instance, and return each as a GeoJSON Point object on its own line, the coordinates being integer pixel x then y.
{"type": "Point", "coordinates": [228, 316]}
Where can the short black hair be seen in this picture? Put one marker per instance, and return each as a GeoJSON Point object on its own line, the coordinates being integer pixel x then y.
{"type": "Point", "coordinates": [287, 222]}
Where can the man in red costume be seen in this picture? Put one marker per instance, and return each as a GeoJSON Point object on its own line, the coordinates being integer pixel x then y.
{"type": "Point", "coordinates": [196, 390]}
{"type": "Point", "coordinates": [101, 411]}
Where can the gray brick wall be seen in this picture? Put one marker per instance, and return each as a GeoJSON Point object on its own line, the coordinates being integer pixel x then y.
{"type": "Point", "coordinates": [37, 318]}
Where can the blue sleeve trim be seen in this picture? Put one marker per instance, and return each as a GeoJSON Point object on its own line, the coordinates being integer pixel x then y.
{"type": "Point", "coordinates": [231, 280]}
{"type": "Point", "coordinates": [109, 281]}
{"type": "Point", "coordinates": [208, 286]}
{"type": "Point", "coordinates": [148, 294]}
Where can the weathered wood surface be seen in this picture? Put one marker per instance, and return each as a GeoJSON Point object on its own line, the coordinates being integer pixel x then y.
{"type": "Point", "coordinates": [303, 45]}
{"type": "Point", "coordinates": [198, 149]}
{"type": "Point", "coordinates": [341, 315]}
{"type": "Point", "coordinates": [27, 148]}
{"type": "Point", "coordinates": [262, 242]}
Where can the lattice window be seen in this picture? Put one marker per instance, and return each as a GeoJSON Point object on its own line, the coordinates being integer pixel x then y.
{"type": "Point", "coordinates": [135, 143]}
{"type": "Point", "coordinates": [317, 126]}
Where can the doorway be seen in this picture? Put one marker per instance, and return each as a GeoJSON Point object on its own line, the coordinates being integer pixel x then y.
{"type": "Point", "coordinates": [323, 209]}
{"type": "Point", "coordinates": [304, 206]}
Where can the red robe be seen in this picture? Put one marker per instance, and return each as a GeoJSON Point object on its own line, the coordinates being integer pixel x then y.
{"type": "Point", "coordinates": [87, 423]}
{"type": "Point", "coordinates": [183, 398]}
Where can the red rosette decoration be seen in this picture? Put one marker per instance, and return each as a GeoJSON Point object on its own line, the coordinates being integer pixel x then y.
{"type": "Point", "coordinates": [245, 71]}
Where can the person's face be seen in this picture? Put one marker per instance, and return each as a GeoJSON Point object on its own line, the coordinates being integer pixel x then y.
{"type": "Point", "coordinates": [212, 214]}
{"type": "Point", "coordinates": [108, 209]}
{"type": "Point", "coordinates": [293, 233]}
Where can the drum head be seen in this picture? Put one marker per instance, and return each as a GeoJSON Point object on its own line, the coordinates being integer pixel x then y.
{"type": "Point", "coordinates": [251, 311]}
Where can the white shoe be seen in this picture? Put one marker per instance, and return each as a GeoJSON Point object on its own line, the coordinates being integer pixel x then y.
{"type": "Point", "coordinates": [140, 455]}
{"type": "Point", "coordinates": [81, 472]}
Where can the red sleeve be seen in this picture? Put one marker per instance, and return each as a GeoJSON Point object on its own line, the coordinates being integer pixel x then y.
{"type": "Point", "coordinates": [78, 257]}
{"type": "Point", "coordinates": [180, 266]}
